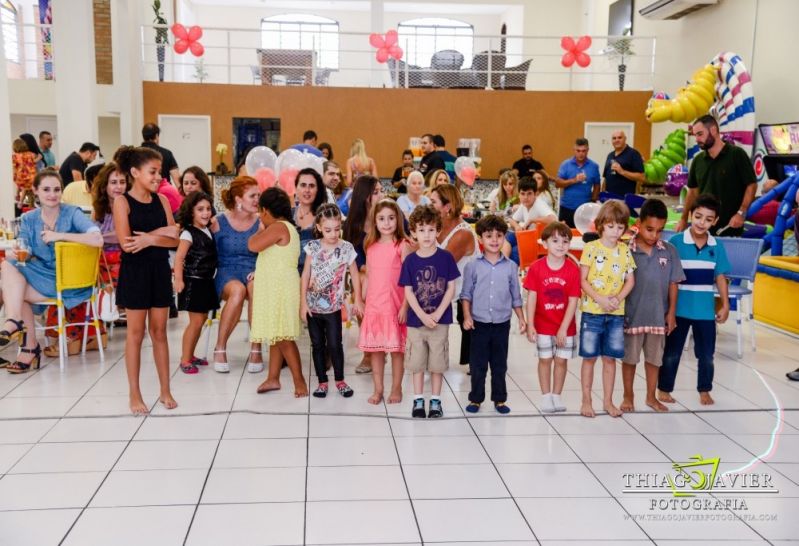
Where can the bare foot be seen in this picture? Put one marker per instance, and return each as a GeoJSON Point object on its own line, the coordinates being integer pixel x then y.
{"type": "Point", "coordinates": [301, 390]}
{"type": "Point", "coordinates": [627, 405]}
{"type": "Point", "coordinates": [587, 410]}
{"type": "Point", "coordinates": [138, 407]}
{"type": "Point", "coordinates": [268, 385]}
{"type": "Point", "coordinates": [666, 397]}
{"type": "Point", "coordinates": [396, 396]}
{"type": "Point", "coordinates": [612, 410]}
{"type": "Point", "coordinates": [655, 405]}
{"type": "Point", "coordinates": [376, 398]}
{"type": "Point", "coordinates": [168, 401]}
{"type": "Point", "coordinates": [705, 399]}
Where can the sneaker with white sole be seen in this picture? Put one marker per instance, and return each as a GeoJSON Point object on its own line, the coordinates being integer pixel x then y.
{"type": "Point", "coordinates": [557, 402]}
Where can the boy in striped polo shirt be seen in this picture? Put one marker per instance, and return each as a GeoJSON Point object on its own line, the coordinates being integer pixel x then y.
{"type": "Point", "coordinates": [704, 263]}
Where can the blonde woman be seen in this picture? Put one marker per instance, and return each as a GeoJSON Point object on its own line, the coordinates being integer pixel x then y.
{"type": "Point", "coordinates": [505, 198]}
{"type": "Point", "coordinates": [438, 177]}
{"type": "Point", "coordinates": [359, 163]}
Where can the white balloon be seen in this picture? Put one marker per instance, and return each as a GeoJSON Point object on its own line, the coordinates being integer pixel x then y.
{"type": "Point", "coordinates": [289, 159]}
{"type": "Point", "coordinates": [258, 158]}
{"type": "Point", "coordinates": [585, 215]}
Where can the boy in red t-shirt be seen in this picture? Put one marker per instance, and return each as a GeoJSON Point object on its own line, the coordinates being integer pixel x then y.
{"type": "Point", "coordinates": [553, 285]}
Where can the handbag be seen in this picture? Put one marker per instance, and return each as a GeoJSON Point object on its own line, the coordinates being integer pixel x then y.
{"type": "Point", "coordinates": [107, 298]}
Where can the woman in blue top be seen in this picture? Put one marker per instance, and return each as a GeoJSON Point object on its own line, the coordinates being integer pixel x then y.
{"type": "Point", "coordinates": [33, 281]}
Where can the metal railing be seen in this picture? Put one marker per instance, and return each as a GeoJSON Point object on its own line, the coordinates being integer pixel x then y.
{"type": "Point", "coordinates": [34, 52]}
{"type": "Point", "coordinates": [500, 62]}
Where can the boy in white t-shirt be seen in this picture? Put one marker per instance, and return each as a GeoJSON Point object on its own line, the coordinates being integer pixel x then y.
{"type": "Point", "coordinates": [531, 209]}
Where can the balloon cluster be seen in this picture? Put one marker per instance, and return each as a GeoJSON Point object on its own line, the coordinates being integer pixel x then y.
{"type": "Point", "coordinates": [270, 169]}
{"type": "Point", "coordinates": [669, 154]}
{"type": "Point", "coordinates": [188, 40]}
{"type": "Point", "coordinates": [692, 101]}
{"type": "Point", "coordinates": [465, 170]}
{"type": "Point", "coordinates": [386, 46]}
{"type": "Point", "coordinates": [575, 51]}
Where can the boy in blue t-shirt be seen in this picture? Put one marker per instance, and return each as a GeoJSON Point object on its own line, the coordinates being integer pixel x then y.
{"type": "Point", "coordinates": [704, 262]}
{"type": "Point", "coordinates": [428, 276]}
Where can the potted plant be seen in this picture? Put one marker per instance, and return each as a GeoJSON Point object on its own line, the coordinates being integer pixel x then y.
{"type": "Point", "coordinates": [200, 74]}
{"type": "Point", "coordinates": [619, 49]}
{"type": "Point", "coordinates": [161, 37]}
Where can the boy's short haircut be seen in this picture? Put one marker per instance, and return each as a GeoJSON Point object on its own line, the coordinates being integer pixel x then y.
{"type": "Point", "coordinates": [556, 228]}
{"type": "Point", "coordinates": [654, 208]}
{"type": "Point", "coordinates": [706, 201]}
{"type": "Point", "coordinates": [492, 222]}
{"type": "Point", "coordinates": [614, 211]}
{"type": "Point", "coordinates": [424, 215]}
{"type": "Point", "coordinates": [528, 183]}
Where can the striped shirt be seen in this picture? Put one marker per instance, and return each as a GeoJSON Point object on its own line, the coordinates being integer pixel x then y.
{"type": "Point", "coordinates": [695, 299]}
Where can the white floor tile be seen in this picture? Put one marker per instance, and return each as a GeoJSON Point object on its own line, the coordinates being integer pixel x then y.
{"type": "Point", "coordinates": [10, 454]}
{"type": "Point", "coordinates": [35, 528]}
{"type": "Point", "coordinates": [773, 518]}
{"type": "Point", "coordinates": [334, 426]}
{"type": "Point", "coordinates": [784, 451]}
{"type": "Point", "coordinates": [577, 424]}
{"type": "Point", "coordinates": [471, 519]}
{"type": "Point", "coordinates": [197, 403]}
{"type": "Point", "coordinates": [177, 427]}
{"type": "Point", "coordinates": [100, 429]}
{"type": "Point", "coordinates": [44, 491]}
{"type": "Point", "coordinates": [356, 483]}
{"type": "Point", "coordinates": [600, 519]}
{"type": "Point", "coordinates": [261, 453]}
{"type": "Point", "coordinates": [789, 470]}
{"type": "Point", "coordinates": [24, 431]}
{"type": "Point", "coordinates": [469, 481]}
{"type": "Point", "coordinates": [111, 406]}
{"type": "Point", "coordinates": [150, 488]}
{"type": "Point", "coordinates": [609, 448]}
{"type": "Point", "coordinates": [272, 402]}
{"type": "Point", "coordinates": [511, 426]}
{"type": "Point", "coordinates": [669, 423]}
{"type": "Point", "coordinates": [528, 449]}
{"type": "Point", "coordinates": [366, 522]}
{"type": "Point", "coordinates": [69, 457]}
{"type": "Point", "coordinates": [238, 485]}
{"type": "Point", "coordinates": [455, 426]}
{"type": "Point", "coordinates": [551, 480]}
{"type": "Point", "coordinates": [679, 447]}
{"type": "Point", "coordinates": [167, 455]}
{"type": "Point", "coordinates": [443, 450]}
{"type": "Point", "coordinates": [131, 526]}
{"type": "Point", "coordinates": [764, 422]}
{"type": "Point", "coordinates": [248, 425]}
{"type": "Point", "coordinates": [20, 408]}
{"type": "Point", "coordinates": [265, 524]}
{"type": "Point", "coordinates": [351, 451]}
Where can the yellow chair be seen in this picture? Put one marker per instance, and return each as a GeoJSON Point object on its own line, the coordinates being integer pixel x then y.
{"type": "Point", "coordinates": [76, 266]}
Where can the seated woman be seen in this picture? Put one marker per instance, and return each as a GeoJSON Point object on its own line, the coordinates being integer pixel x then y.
{"type": "Point", "coordinates": [505, 198]}
{"type": "Point", "coordinates": [437, 178]}
{"type": "Point", "coordinates": [31, 281]}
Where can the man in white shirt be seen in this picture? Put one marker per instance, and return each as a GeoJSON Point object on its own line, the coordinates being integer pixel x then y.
{"type": "Point", "coordinates": [531, 209]}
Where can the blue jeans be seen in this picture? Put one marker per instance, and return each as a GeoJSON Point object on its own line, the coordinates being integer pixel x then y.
{"type": "Point", "coordinates": [601, 335]}
{"type": "Point", "coordinates": [704, 347]}
{"type": "Point", "coordinates": [489, 348]}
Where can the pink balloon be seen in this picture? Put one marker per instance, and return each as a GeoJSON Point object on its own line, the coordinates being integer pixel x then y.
{"type": "Point", "coordinates": [468, 175]}
{"type": "Point", "coordinates": [395, 52]}
{"type": "Point", "coordinates": [382, 55]}
{"type": "Point", "coordinates": [288, 181]}
{"type": "Point", "coordinates": [195, 33]}
{"type": "Point", "coordinates": [391, 38]}
{"type": "Point", "coordinates": [584, 43]}
{"type": "Point", "coordinates": [265, 177]}
{"type": "Point", "coordinates": [179, 31]}
{"type": "Point", "coordinates": [181, 46]}
{"type": "Point", "coordinates": [583, 59]}
{"type": "Point", "coordinates": [375, 40]}
{"type": "Point", "coordinates": [567, 43]}
{"type": "Point", "coordinates": [568, 59]}
{"type": "Point", "coordinates": [197, 49]}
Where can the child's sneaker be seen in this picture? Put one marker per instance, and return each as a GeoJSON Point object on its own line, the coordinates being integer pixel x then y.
{"type": "Point", "coordinates": [557, 402]}
{"type": "Point", "coordinates": [473, 407]}
{"type": "Point", "coordinates": [502, 408]}
{"type": "Point", "coordinates": [321, 390]}
{"type": "Point", "coordinates": [344, 389]}
{"type": "Point", "coordinates": [547, 403]}
{"type": "Point", "coordinates": [418, 408]}
{"type": "Point", "coordinates": [435, 409]}
{"type": "Point", "coordinates": [188, 368]}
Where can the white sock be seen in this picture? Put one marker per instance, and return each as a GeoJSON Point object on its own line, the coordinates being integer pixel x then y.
{"type": "Point", "coordinates": [558, 403]}
{"type": "Point", "coordinates": [435, 397]}
{"type": "Point", "coordinates": [547, 405]}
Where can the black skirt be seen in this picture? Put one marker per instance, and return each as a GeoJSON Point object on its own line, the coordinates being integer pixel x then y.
{"type": "Point", "coordinates": [198, 296]}
{"type": "Point", "coordinates": [144, 285]}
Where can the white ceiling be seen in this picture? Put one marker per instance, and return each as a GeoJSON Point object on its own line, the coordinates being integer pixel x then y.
{"type": "Point", "coordinates": [365, 5]}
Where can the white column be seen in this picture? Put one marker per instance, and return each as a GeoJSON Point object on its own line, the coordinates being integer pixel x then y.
{"type": "Point", "coordinates": [377, 23]}
{"type": "Point", "coordinates": [126, 42]}
{"type": "Point", "coordinates": [8, 187]}
{"type": "Point", "coordinates": [75, 75]}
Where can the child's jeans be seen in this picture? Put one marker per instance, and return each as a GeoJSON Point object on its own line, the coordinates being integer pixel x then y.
{"type": "Point", "coordinates": [489, 347]}
{"type": "Point", "coordinates": [704, 347]}
{"type": "Point", "coordinates": [325, 332]}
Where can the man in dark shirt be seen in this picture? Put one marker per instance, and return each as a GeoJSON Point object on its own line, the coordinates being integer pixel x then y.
{"type": "Point", "coordinates": [401, 173]}
{"type": "Point", "coordinates": [73, 166]}
{"type": "Point", "coordinates": [722, 170]}
{"type": "Point", "coordinates": [151, 134]}
{"type": "Point", "coordinates": [624, 167]}
{"type": "Point", "coordinates": [449, 159]}
{"type": "Point", "coordinates": [431, 161]}
{"type": "Point", "coordinates": [526, 166]}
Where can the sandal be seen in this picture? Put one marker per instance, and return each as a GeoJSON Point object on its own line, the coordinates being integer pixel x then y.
{"type": "Point", "coordinates": [198, 361]}
{"type": "Point", "coordinates": [255, 367]}
{"type": "Point", "coordinates": [4, 362]}
{"type": "Point", "coordinates": [22, 367]}
{"type": "Point", "coordinates": [7, 337]}
{"type": "Point", "coordinates": [221, 367]}
{"type": "Point", "coordinates": [189, 368]}
{"type": "Point", "coordinates": [321, 390]}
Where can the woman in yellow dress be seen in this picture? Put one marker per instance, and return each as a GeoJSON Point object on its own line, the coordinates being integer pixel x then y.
{"type": "Point", "coordinates": [276, 297]}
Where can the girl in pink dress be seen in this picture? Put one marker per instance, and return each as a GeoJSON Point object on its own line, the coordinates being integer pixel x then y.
{"type": "Point", "coordinates": [383, 327]}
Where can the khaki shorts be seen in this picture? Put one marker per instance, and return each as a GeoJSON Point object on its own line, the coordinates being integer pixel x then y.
{"type": "Point", "coordinates": [427, 350]}
{"type": "Point", "coordinates": [652, 345]}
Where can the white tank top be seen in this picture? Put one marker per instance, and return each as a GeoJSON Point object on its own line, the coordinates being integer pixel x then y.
{"type": "Point", "coordinates": [466, 257]}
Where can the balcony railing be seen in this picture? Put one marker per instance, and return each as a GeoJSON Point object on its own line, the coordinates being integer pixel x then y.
{"type": "Point", "coordinates": [32, 54]}
{"type": "Point", "coordinates": [501, 62]}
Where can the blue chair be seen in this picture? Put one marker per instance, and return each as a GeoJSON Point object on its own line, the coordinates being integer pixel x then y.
{"type": "Point", "coordinates": [743, 255]}
{"type": "Point", "coordinates": [634, 202]}
{"type": "Point", "coordinates": [607, 196]}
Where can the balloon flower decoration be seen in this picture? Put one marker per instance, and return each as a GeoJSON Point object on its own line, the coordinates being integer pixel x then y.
{"type": "Point", "coordinates": [465, 170]}
{"type": "Point", "coordinates": [188, 39]}
{"type": "Point", "coordinates": [386, 46]}
{"type": "Point", "coordinates": [575, 51]}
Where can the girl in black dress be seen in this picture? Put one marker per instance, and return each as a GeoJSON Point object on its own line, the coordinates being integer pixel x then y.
{"type": "Point", "coordinates": [146, 230]}
{"type": "Point", "coordinates": [195, 266]}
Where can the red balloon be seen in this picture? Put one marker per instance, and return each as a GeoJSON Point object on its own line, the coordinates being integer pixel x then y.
{"type": "Point", "coordinates": [584, 43]}
{"type": "Point", "coordinates": [395, 52]}
{"type": "Point", "coordinates": [382, 55]}
{"type": "Point", "coordinates": [181, 46]}
{"type": "Point", "coordinates": [567, 43]}
{"type": "Point", "coordinates": [265, 177]}
{"type": "Point", "coordinates": [375, 40]}
{"type": "Point", "coordinates": [568, 59]}
{"type": "Point", "coordinates": [468, 175]}
{"type": "Point", "coordinates": [179, 31]}
{"type": "Point", "coordinates": [391, 38]}
{"type": "Point", "coordinates": [583, 59]}
{"type": "Point", "coordinates": [288, 181]}
{"type": "Point", "coordinates": [195, 33]}
{"type": "Point", "coordinates": [197, 49]}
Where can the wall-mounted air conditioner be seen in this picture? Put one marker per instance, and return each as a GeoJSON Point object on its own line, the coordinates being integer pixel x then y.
{"type": "Point", "coordinates": [673, 9]}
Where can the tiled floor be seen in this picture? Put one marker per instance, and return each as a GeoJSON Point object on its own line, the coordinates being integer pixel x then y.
{"type": "Point", "coordinates": [233, 467]}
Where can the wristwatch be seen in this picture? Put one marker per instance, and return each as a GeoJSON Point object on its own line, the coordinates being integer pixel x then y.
{"type": "Point", "coordinates": [742, 213]}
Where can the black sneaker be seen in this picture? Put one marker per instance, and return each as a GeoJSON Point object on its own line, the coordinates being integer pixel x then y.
{"type": "Point", "coordinates": [435, 409]}
{"type": "Point", "coordinates": [418, 408]}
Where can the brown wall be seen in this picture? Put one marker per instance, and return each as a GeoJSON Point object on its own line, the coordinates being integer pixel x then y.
{"type": "Point", "coordinates": [386, 118]}
{"type": "Point", "coordinates": [102, 41]}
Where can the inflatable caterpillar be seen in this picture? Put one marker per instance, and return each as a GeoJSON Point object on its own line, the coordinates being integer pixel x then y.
{"type": "Point", "coordinates": [670, 153]}
{"type": "Point", "coordinates": [692, 101]}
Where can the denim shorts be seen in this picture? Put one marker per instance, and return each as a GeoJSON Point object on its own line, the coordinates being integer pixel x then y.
{"type": "Point", "coordinates": [601, 335]}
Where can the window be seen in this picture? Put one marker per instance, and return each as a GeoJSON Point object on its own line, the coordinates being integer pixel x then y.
{"type": "Point", "coordinates": [8, 17]}
{"type": "Point", "coordinates": [422, 37]}
{"type": "Point", "coordinates": [301, 31]}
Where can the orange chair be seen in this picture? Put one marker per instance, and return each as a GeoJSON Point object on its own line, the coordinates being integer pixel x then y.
{"type": "Point", "coordinates": [576, 253]}
{"type": "Point", "coordinates": [529, 247]}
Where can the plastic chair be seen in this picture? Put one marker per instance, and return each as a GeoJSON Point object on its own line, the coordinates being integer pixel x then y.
{"type": "Point", "coordinates": [76, 266]}
{"type": "Point", "coordinates": [529, 247]}
{"type": "Point", "coordinates": [608, 195]}
{"type": "Point", "coordinates": [634, 202]}
{"type": "Point", "coordinates": [743, 255]}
